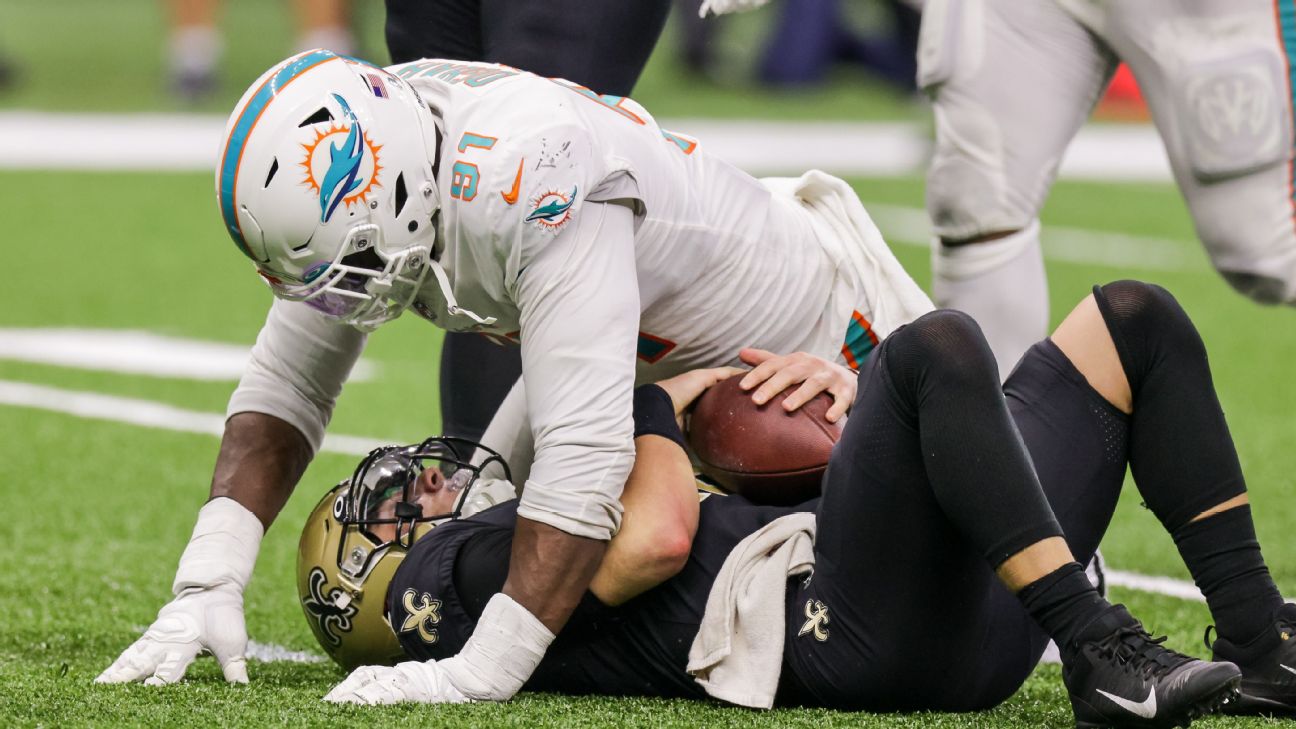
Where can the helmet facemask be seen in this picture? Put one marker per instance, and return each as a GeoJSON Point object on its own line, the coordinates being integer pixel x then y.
{"type": "Point", "coordinates": [361, 286]}
{"type": "Point", "coordinates": [382, 491]}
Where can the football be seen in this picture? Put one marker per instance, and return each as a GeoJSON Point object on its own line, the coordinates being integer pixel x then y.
{"type": "Point", "coordinates": [762, 452]}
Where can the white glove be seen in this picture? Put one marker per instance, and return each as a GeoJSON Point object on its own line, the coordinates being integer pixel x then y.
{"type": "Point", "coordinates": [501, 655]}
{"type": "Point", "coordinates": [419, 682]}
{"type": "Point", "coordinates": [724, 7]}
{"type": "Point", "coordinates": [207, 612]}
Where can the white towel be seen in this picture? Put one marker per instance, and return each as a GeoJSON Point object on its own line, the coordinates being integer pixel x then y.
{"type": "Point", "coordinates": [738, 652]}
{"type": "Point", "coordinates": [851, 238]}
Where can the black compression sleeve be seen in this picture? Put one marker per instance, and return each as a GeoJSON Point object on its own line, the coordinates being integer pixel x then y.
{"type": "Point", "coordinates": [654, 414]}
{"type": "Point", "coordinates": [1181, 453]}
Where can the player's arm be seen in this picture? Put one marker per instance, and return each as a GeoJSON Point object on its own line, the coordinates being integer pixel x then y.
{"type": "Point", "coordinates": [278, 415]}
{"type": "Point", "coordinates": [579, 305]}
{"type": "Point", "coordinates": [660, 497]}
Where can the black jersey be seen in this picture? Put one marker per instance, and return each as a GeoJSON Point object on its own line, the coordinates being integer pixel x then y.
{"type": "Point", "coordinates": [639, 648]}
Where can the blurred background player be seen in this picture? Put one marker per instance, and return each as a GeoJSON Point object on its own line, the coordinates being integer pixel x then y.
{"type": "Point", "coordinates": [1013, 82]}
{"type": "Point", "coordinates": [602, 46]}
{"type": "Point", "coordinates": [194, 45]}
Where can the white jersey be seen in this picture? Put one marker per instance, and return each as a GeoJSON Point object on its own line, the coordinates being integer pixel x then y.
{"type": "Point", "coordinates": [722, 263]}
{"type": "Point", "coordinates": [694, 261]}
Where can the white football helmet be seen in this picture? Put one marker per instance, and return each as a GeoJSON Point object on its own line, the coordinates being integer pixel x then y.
{"type": "Point", "coordinates": [326, 180]}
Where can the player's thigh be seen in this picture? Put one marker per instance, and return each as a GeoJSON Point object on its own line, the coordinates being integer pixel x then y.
{"type": "Point", "coordinates": [434, 29]}
{"type": "Point", "coordinates": [1011, 84]}
{"type": "Point", "coordinates": [602, 45]}
{"type": "Point", "coordinates": [894, 582]}
{"type": "Point", "coordinates": [1216, 78]}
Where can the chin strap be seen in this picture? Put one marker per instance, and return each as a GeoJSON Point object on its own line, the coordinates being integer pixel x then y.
{"type": "Point", "coordinates": [452, 304]}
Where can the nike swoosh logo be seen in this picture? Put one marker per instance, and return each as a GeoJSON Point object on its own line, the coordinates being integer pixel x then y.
{"type": "Point", "coordinates": [1146, 708]}
{"type": "Point", "coordinates": [1287, 668]}
{"type": "Point", "coordinates": [511, 196]}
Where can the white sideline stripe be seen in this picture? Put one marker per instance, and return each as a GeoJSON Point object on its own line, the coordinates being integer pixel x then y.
{"type": "Point", "coordinates": [910, 226]}
{"type": "Point", "coordinates": [185, 142]}
{"type": "Point", "coordinates": [135, 352]}
{"type": "Point", "coordinates": [146, 413]}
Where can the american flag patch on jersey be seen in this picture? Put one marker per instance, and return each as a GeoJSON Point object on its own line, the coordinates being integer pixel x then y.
{"type": "Point", "coordinates": [376, 85]}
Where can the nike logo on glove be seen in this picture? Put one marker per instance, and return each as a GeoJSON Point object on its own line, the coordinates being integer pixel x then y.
{"type": "Point", "coordinates": [511, 196]}
{"type": "Point", "coordinates": [1146, 708]}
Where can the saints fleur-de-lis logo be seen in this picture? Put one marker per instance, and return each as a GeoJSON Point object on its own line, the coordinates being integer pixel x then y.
{"type": "Point", "coordinates": [322, 607]}
{"type": "Point", "coordinates": [816, 619]}
{"type": "Point", "coordinates": [424, 615]}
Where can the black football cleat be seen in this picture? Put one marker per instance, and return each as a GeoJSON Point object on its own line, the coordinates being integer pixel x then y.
{"type": "Point", "coordinates": [1268, 666]}
{"type": "Point", "coordinates": [1120, 676]}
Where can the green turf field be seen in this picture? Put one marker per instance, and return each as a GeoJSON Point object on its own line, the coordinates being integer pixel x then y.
{"type": "Point", "coordinates": [96, 512]}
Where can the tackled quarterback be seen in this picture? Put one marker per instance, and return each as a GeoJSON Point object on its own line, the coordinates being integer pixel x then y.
{"type": "Point", "coordinates": [944, 490]}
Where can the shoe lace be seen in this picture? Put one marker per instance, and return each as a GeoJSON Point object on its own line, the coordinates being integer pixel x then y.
{"type": "Point", "coordinates": [1138, 652]}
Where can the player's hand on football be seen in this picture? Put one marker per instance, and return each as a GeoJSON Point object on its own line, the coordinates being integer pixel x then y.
{"type": "Point", "coordinates": [774, 373]}
{"type": "Point", "coordinates": [200, 619]}
{"type": "Point", "coordinates": [685, 388]}
{"type": "Point", "coordinates": [413, 681]}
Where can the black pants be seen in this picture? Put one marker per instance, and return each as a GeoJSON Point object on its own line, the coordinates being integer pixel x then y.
{"type": "Point", "coordinates": [602, 45]}
{"type": "Point", "coordinates": [915, 615]}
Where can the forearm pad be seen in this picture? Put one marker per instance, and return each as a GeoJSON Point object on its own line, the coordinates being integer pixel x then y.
{"type": "Point", "coordinates": [223, 548]}
{"type": "Point", "coordinates": [502, 653]}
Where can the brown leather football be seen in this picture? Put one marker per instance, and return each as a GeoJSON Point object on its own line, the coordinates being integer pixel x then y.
{"type": "Point", "coordinates": [764, 453]}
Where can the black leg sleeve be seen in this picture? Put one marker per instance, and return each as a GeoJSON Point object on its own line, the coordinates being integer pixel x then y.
{"type": "Point", "coordinates": [976, 462]}
{"type": "Point", "coordinates": [602, 45]}
{"type": "Point", "coordinates": [1181, 453]}
{"type": "Point", "coordinates": [476, 375]}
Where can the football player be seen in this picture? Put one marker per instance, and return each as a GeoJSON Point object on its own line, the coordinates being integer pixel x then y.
{"type": "Point", "coordinates": [490, 200]}
{"type": "Point", "coordinates": [601, 46]}
{"type": "Point", "coordinates": [1013, 82]}
{"type": "Point", "coordinates": [931, 507]}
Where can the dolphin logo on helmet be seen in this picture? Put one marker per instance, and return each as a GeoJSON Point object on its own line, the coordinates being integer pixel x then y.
{"type": "Point", "coordinates": [344, 166]}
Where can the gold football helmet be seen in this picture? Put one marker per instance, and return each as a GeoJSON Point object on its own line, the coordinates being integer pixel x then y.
{"type": "Point", "coordinates": [344, 568]}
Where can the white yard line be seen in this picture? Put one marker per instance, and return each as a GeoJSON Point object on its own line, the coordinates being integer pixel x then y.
{"type": "Point", "coordinates": [44, 140]}
{"type": "Point", "coordinates": [270, 653]}
{"type": "Point", "coordinates": [160, 415]}
{"type": "Point", "coordinates": [910, 226]}
{"type": "Point", "coordinates": [136, 353]}
{"type": "Point", "coordinates": [146, 413]}
{"type": "Point", "coordinates": [1169, 586]}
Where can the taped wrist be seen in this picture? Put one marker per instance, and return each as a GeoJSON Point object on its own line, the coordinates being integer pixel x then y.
{"type": "Point", "coordinates": [502, 653]}
{"type": "Point", "coordinates": [223, 548]}
{"type": "Point", "coordinates": [654, 414]}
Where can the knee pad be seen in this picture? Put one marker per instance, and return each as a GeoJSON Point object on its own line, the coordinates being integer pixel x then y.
{"type": "Point", "coordinates": [1146, 324]}
{"type": "Point", "coordinates": [966, 182]}
{"type": "Point", "coordinates": [1232, 110]}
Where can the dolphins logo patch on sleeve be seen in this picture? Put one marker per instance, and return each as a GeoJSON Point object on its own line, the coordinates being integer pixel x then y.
{"type": "Point", "coordinates": [552, 210]}
{"type": "Point", "coordinates": [341, 164]}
